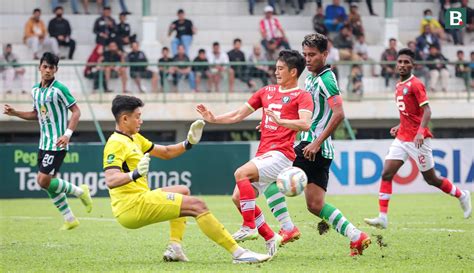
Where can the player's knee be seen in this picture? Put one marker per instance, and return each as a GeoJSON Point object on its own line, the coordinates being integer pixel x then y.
{"type": "Point", "coordinates": [240, 174]}
{"type": "Point", "coordinates": [387, 176]}
{"type": "Point", "coordinates": [433, 181]}
{"type": "Point", "coordinates": [315, 207]}
{"type": "Point", "coordinates": [43, 181]}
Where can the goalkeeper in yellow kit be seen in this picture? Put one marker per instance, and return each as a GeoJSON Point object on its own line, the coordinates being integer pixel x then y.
{"type": "Point", "coordinates": [126, 162]}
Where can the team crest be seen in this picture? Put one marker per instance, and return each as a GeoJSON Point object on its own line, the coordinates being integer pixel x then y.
{"type": "Point", "coordinates": [110, 158]}
{"type": "Point", "coordinates": [285, 99]}
{"type": "Point", "coordinates": [405, 90]}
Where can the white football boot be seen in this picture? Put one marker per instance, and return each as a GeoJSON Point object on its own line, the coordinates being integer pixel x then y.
{"type": "Point", "coordinates": [273, 244]}
{"type": "Point", "coordinates": [378, 222]}
{"type": "Point", "coordinates": [465, 202]}
{"type": "Point", "coordinates": [245, 233]}
{"type": "Point", "coordinates": [174, 253]}
{"type": "Point", "coordinates": [250, 257]}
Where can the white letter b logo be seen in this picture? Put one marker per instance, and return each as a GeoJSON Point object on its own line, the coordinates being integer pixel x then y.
{"type": "Point", "coordinates": [455, 18]}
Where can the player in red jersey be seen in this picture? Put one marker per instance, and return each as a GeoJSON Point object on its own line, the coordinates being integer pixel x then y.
{"type": "Point", "coordinates": [413, 139]}
{"type": "Point", "coordinates": [286, 110]}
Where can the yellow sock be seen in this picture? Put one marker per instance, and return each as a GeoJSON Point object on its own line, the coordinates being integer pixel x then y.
{"type": "Point", "coordinates": [215, 231]}
{"type": "Point", "coordinates": [177, 227]}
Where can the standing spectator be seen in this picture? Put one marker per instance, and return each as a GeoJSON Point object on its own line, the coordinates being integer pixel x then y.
{"type": "Point", "coordinates": [344, 42]}
{"type": "Point", "coordinates": [74, 7]}
{"type": "Point", "coordinates": [271, 29]}
{"type": "Point", "coordinates": [11, 70]}
{"type": "Point", "coordinates": [355, 20]}
{"type": "Point", "coordinates": [95, 72]}
{"type": "Point", "coordinates": [182, 69]}
{"type": "Point", "coordinates": [456, 34]}
{"type": "Point", "coordinates": [271, 55]}
{"type": "Point", "coordinates": [471, 66]}
{"type": "Point", "coordinates": [202, 71]}
{"type": "Point", "coordinates": [35, 35]}
{"type": "Point", "coordinates": [318, 22]}
{"type": "Point", "coordinates": [141, 72]}
{"type": "Point", "coordinates": [425, 40]}
{"type": "Point", "coordinates": [369, 6]}
{"type": "Point", "coordinates": [123, 5]}
{"type": "Point", "coordinates": [419, 70]}
{"type": "Point", "coordinates": [282, 4]}
{"type": "Point", "coordinates": [470, 16]}
{"type": "Point", "coordinates": [258, 70]}
{"type": "Point", "coordinates": [462, 68]}
{"type": "Point", "coordinates": [238, 71]}
{"type": "Point", "coordinates": [60, 29]}
{"type": "Point", "coordinates": [217, 59]}
{"type": "Point", "coordinates": [438, 70]}
{"type": "Point", "coordinates": [165, 58]}
{"type": "Point", "coordinates": [333, 56]}
{"type": "Point", "coordinates": [184, 33]}
{"type": "Point", "coordinates": [115, 56]}
{"type": "Point", "coordinates": [105, 28]}
{"type": "Point", "coordinates": [429, 20]}
{"type": "Point", "coordinates": [336, 16]}
{"type": "Point", "coordinates": [389, 55]}
{"type": "Point", "coordinates": [124, 35]}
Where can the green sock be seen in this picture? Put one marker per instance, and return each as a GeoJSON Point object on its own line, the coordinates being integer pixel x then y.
{"type": "Point", "coordinates": [277, 204]}
{"type": "Point", "coordinates": [339, 222]}
{"type": "Point", "coordinates": [58, 185]}
{"type": "Point", "coordinates": [60, 201]}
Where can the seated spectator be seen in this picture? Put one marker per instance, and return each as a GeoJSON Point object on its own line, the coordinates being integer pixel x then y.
{"type": "Point", "coordinates": [419, 70]}
{"type": "Point", "coordinates": [11, 70]}
{"type": "Point", "coordinates": [271, 29]}
{"type": "Point", "coordinates": [115, 56]}
{"type": "Point", "coordinates": [184, 33]}
{"type": "Point", "coordinates": [36, 36]}
{"type": "Point", "coordinates": [217, 59]}
{"type": "Point", "coordinates": [141, 72]}
{"type": "Point", "coordinates": [462, 67]}
{"type": "Point", "coordinates": [438, 70]}
{"type": "Point", "coordinates": [165, 58]}
{"type": "Point", "coordinates": [238, 71]}
{"type": "Point", "coordinates": [60, 29]}
{"type": "Point", "coordinates": [355, 20]}
{"type": "Point", "coordinates": [105, 28]}
{"type": "Point", "coordinates": [318, 22]}
{"type": "Point", "coordinates": [124, 35]}
{"type": "Point", "coordinates": [356, 79]}
{"type": "Point", "coordinates": [333, 56]}
{"type": "Point", "coordinates": [258, 70]}
{"type": "Point", "coordinates": [429, 20]}
{"type": "Point", "coordinates": [95, 72]}
{"type": "Point", "coordinates": [344, 42]}
{"type": "Point", "coordinates": [425, 40]}
{"type": "Point", "coordinates": [272, 56]}
{"type": "Point", "coordinates": [202, 71]}
{"type": "Point", "coordinates": [336, 16]}
{"type": "Point", "coordinates": [389, 55]}
{"type": "Point", "coordinates": [182, 69]}
{"type": "Point", "coordinates": [362, 50]}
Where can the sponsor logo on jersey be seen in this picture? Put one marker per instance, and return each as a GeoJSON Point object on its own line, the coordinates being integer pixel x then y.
{"type": "Point", "coordinates": [110, 158]}
{"type": "Point", "coordinates": [269, 97]}
{"type": "Point", "coordinates": [285, 99]}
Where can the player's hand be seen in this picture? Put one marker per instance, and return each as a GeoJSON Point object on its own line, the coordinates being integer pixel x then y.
{"type": "Point", "coordinates": [258, 128]}
{"type": "Point", "coordinates": [62, 142]}
{"type": "Point", "coordinates": [144, 165]}
{"type": "Point", "coordinates": [419, 139]}
{"type": "Point", "coordinates": [8, 110]}
{"type": "Point", "coordinates": [311, 150]}
{"type": "Point", "coordinates": [273, 116]}
{"type": "Point", "coordinates": [195, 131]}
{"type": "Point", "coordinates": [205, 113]}
{"type": "Point", "coordinates": [394, 131]}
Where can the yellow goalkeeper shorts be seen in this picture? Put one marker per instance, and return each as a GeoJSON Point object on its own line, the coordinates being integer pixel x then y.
{"type": "Point", "coordinates": [152, 207]}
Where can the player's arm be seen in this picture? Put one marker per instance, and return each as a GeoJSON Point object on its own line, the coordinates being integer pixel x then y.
{"type": "Point", "coordinates": [114, 177]}
{"type": "Point", "coordinates": [301, 124]}
{"type": "Point", "coordinates": [227, 118]}
{"type": "Point", "coordinates": [419, 138]}
{"type": "Point", "coordinates": [26, 115]}
{"type": "Point", "coordinates": [76, 114]}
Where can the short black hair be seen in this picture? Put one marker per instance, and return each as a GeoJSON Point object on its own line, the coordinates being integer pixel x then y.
{"type": "Point", "coordinates": [180, 11]}
{"type": "Point", "coordinates": [392, 39]}
{"type": "Point", "coordinates": [50, 58]}
{"type": "Point", "coordinates": [408, 52]}
{"type": "Point", "coordinates": [201, 51]}
{"type": "Point", "coordinates": [9, 45]}
{"type": "Point", "coordinates": [293, 59]}
{"type": "Point", "coordinates": [123, 13]}
{"type": "Point", "coordinates": [426, 11]}
{"type": "Point", "coordinates": [165, 48]}
{"type": "Point", "coordinates": [37, 10]}
{"type": "Point", "coordinates": [459, 52]}
{"type": "Point", "coordinates": [106, 8]}
{"type": "Point", "coordinates": [316, 40]}
{"type": "Point", "coordinates": [237, 40]}
{"type": "Point", "coordinates": [58, 7]}
{"type": "Point", "coordinates": [124, 103]}
{"type": "Point", "coordinates": [215, 44]}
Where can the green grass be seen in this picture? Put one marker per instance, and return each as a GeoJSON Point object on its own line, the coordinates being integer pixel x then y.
{"type": "Point", "coordinates": [426, 233]}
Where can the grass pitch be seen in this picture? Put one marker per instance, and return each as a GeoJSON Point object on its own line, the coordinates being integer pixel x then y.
{"type": "Point", "coordinates": [426, 234]}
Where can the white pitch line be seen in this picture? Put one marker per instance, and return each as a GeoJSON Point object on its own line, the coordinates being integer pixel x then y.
{"type": "Point", "coordinates": [435, 229]}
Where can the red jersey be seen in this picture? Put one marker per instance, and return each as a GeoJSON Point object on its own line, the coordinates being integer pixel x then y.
{"type": "Point", "coordinates": [410, 96]}
{"type": "Point", "coordinates": [286, 104]}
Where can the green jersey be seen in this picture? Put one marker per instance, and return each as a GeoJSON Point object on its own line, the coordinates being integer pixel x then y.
{"type": "Point", "coordinates": [322, 87]}
{"type": "Point", "coordinates": [52, 104]}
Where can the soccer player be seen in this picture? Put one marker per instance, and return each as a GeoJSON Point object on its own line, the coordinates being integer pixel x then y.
{"type": "Point", "coordinates": [51, 102]}
{"type": "Point", "coordinates": [126, 163]}
{"type": "Point", "coordinates": [286, 110]}
{"type": "Point", "coordinates": [412, 139]}
{"type": "Point", "coordinates": [315, 152]}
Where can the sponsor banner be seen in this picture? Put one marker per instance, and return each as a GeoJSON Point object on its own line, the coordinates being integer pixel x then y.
{"type": "Point", "coordinates": [206, 169]}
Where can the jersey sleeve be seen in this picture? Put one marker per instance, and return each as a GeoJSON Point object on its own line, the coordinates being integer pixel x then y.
{"type": "Point", "coordinates": [420, 93]}
{"type": "Point", "coordinates": [328, 85]}
{"type": "Point", "coordinates": [114, 155]}
{"type": "Point", "coordinates": [306, 102]}
{"type": "Point", "coordinates": [66, 96]}
{"type": "Point", "coordinates": [255, 100]}
{"type": "Point", "coordinates": [145, 144]}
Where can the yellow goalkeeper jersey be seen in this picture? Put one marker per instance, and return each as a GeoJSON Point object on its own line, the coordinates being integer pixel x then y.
{"type": "Point", "coordinates": [124, 152]}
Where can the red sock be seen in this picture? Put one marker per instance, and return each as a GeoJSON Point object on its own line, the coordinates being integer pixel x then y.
{"type": "Point", "coordinates": [263, 228]}
{"type": "Point", "coordinates": [449, 188]}
{"type": "Point", "coordinates": [247, 202]}
{"type": "Point", "coordinates": [385, 193]}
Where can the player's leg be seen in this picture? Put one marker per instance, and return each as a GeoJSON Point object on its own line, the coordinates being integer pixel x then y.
{"type": "Point", "coordinates": [393, 162]}
{"type": "Point", "coordinates": [277, 203]}
{"type": "Point", "coordinates": [244, 176]}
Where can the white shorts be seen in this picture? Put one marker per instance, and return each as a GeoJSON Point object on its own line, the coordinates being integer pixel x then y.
{"type": "Point", "coordinates": [269, 166]}
{"type": "Point", "coordinates": [401, 150]}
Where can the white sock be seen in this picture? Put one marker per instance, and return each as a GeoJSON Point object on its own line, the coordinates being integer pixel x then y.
{"type": "Point", "coordinates": [383, 216]}
{"type": "Point", "coordinates": [352, 233]}
{"type": "Point", "coordinates": [239, 251]}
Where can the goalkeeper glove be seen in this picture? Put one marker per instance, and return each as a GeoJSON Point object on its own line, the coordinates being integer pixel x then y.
{"type": "Point", "coordinates": [142, 168]}
{"type": "Point", "coordinates": [194, 134]}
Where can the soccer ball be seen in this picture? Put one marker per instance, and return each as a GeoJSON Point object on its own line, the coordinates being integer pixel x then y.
{"type": "Point", "coordinates": [292, 181]}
